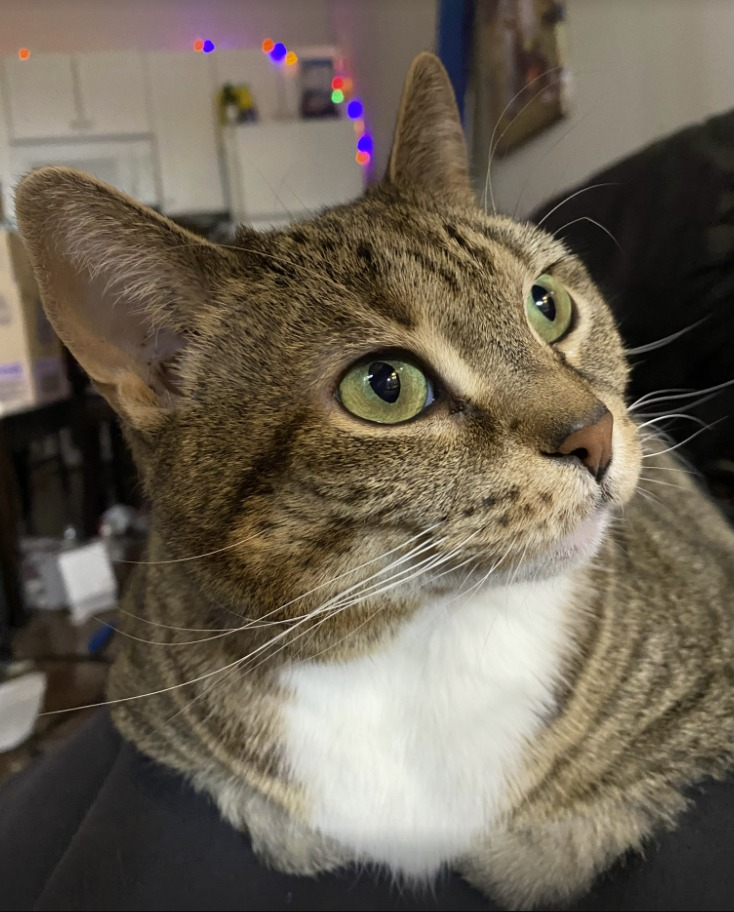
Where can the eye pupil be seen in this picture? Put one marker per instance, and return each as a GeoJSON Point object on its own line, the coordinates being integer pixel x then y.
{"type": "Point", "coordinates": [384, 380]}
{"type": "Point", "coordinates": [544, 301]}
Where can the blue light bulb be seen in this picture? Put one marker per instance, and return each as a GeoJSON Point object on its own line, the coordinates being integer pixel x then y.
{"type": "Point", "coordinates": [354, 109]}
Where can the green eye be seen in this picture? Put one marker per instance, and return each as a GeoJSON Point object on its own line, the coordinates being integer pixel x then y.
{"type": "Point", "coordinates": [549, 308]}
{"type": "Point", "coordinates": [386, 392]}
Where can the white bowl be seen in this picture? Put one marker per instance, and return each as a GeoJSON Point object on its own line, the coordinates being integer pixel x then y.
{"type": "Point", "coordinates": [20, 703]}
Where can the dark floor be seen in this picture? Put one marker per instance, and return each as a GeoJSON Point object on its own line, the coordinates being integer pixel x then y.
{"type": "Point", "coordinates": [76, 679]}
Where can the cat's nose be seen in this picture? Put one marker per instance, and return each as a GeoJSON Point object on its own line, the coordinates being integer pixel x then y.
{"type": "Point", "coordinates": [591, 444]}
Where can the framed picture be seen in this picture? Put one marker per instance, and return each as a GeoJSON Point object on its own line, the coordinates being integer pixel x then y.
{"type": "Point", "coordinates": [316, 75]}
{"type": "Point", "coordinates": [520, 73]}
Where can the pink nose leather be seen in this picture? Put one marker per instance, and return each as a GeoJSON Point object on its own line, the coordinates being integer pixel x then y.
{"type": "Point", "coordinates": [592, 444]}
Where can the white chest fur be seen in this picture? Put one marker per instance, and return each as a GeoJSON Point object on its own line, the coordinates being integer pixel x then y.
{"type": "Point", "coordinates": [406, 755]}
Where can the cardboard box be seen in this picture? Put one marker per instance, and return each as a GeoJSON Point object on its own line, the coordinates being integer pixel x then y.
{"type": "Point", "coordinates": [32, 370]}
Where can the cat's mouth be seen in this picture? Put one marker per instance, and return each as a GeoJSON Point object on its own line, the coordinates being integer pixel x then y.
{"type": "Point", "coordinates": [585, 539]}
{"type": "Point", "coordinates": [571, 550]}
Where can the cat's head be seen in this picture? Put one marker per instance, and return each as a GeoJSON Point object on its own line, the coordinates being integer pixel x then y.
{"type": "Point", "coordinates": [395, 389]}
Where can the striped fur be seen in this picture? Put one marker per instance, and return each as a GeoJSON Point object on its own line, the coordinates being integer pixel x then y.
{"type": "Point", "coordinates": [291, 540]}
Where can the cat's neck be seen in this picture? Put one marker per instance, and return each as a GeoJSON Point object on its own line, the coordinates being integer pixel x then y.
{"type": "Point", "coordinates": [509, 643]}
{"type": "Point", "coordinates": [408, 754]}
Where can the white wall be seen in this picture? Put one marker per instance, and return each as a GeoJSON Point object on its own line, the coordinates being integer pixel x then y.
{"type": "Point", "coordinates": [641, 69]}
{"type": "Point", "coordinates": [380, 38]}
{"type": "Point", "coordinates": [45, 26]}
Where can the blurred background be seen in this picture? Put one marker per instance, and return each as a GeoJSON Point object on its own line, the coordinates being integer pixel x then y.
{"type": "Point", "coordinates": [608, 121]}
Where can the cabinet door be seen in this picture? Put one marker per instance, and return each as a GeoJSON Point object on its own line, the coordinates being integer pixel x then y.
{"type": "Point", "coordinates": [292, 169]}
{"type": "Point", "coordinates": [112, 93]}
{"type": "Point", "coordinates": [182, 88]}
{"type": "Point", "coordinates": [41, 96]}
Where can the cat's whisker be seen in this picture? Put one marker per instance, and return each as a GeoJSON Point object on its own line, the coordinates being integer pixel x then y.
{"type": "Point", "coordinates": [662, 437]}
{"type": "Point", "coordinates": [683, 442]}
{"type": "Point", "coordinates": [472, 563]}
{"type": "Point", "coordinates": [258, 621]}
{"type": "Point", "coordinates": [481, 582]}
{"type": "Point", "coordinates": [493, 146]}
{"type": "Point", "coordinates": [205, 692]}
{"type": "Point", "coordinates": [304, 208]}
{"type": "Point", "coordinates": [382, 586]}
{"type": "Point", "coordinates": [649, 496]}
{"type": "Point", "coordinates": [469, 561]}
{"type": "Point", "coordinates": [647, 398]}
{"type": "Point", "coordinates": [344, 607]}
{"type": "Point", "coordinates": [381, 608]}
{"type": "Point", "coordinates": [519, 563]}
{"type": "Point", "coordinates": [343, 639]}
{"type": "Point", "coordinates": [278, 637]}
{"type": "Point", "coordinates": [541, 161]}
{"type": "Point", "coordinates": [193, 557]}
{"type": "Point", "coordinates": [587, 218]}
{"type": "Point", "coordinates": [675, 394]}
{"type": "Point", "coordinates": [276, 193]}
{"type": "Point", "coordinates": [331, 611]}
{"type": "Point", "coordinates": [417, 550]}
{"type": "Point", "coordinates": [214, 633]}
{"type": "Point", "coordinates": [659, 481]}
{"type": "Point", "coordinates": [666, 340]}
{"type": "Point", "coordinates": [689, 406]}
{"type": "Point", "coordinates": [144, 620]}
{"type": "Point", "coordinates": [670, 417]}
{"type": "Point", "coordinates": [334, 607]}
{"type": "Point", "coordinates": [151, 693]}
{"type": "Point", "coordinates": [679, 469]}
{"type": "Point", "coordinates": [369, 581]}
{"type": "Point", "coordinates": [573, 196]}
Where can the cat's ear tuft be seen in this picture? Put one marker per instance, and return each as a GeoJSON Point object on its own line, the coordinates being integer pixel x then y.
{"type": "Point", "coordinates": [429, 149]}
{"type": "Point", "coordinates": [123, 287]}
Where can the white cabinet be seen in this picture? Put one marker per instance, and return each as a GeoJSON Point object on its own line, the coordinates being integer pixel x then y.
{"type": "Point", "coordinates": [148, 124]}
{"type": "Point", "coordinates": [42, 97]}
{"type": "Point", "coordinates": [59, 96]}
{"type": "Point", "coordinates": [290, 169]}
{"type": "Point", "coordinates": [112, 93]}
{"type": "Point", "coordinates": [182, 95]}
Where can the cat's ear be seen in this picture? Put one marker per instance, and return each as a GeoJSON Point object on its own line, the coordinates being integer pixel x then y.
{"type": "Point", "coordinates": [122, 286]}
{"type": "Point", "coordinates": [429, 150]}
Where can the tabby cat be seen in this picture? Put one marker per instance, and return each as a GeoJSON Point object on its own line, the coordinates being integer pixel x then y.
{"type": "Point", "coordinates": [407, 601]}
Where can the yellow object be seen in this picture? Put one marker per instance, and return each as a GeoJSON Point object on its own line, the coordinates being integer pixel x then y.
{"type": "Point", "coordinates": [236, 104]}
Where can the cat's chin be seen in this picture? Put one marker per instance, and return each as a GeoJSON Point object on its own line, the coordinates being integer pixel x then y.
{"type": "Point", "coordinates": [570, 552]}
